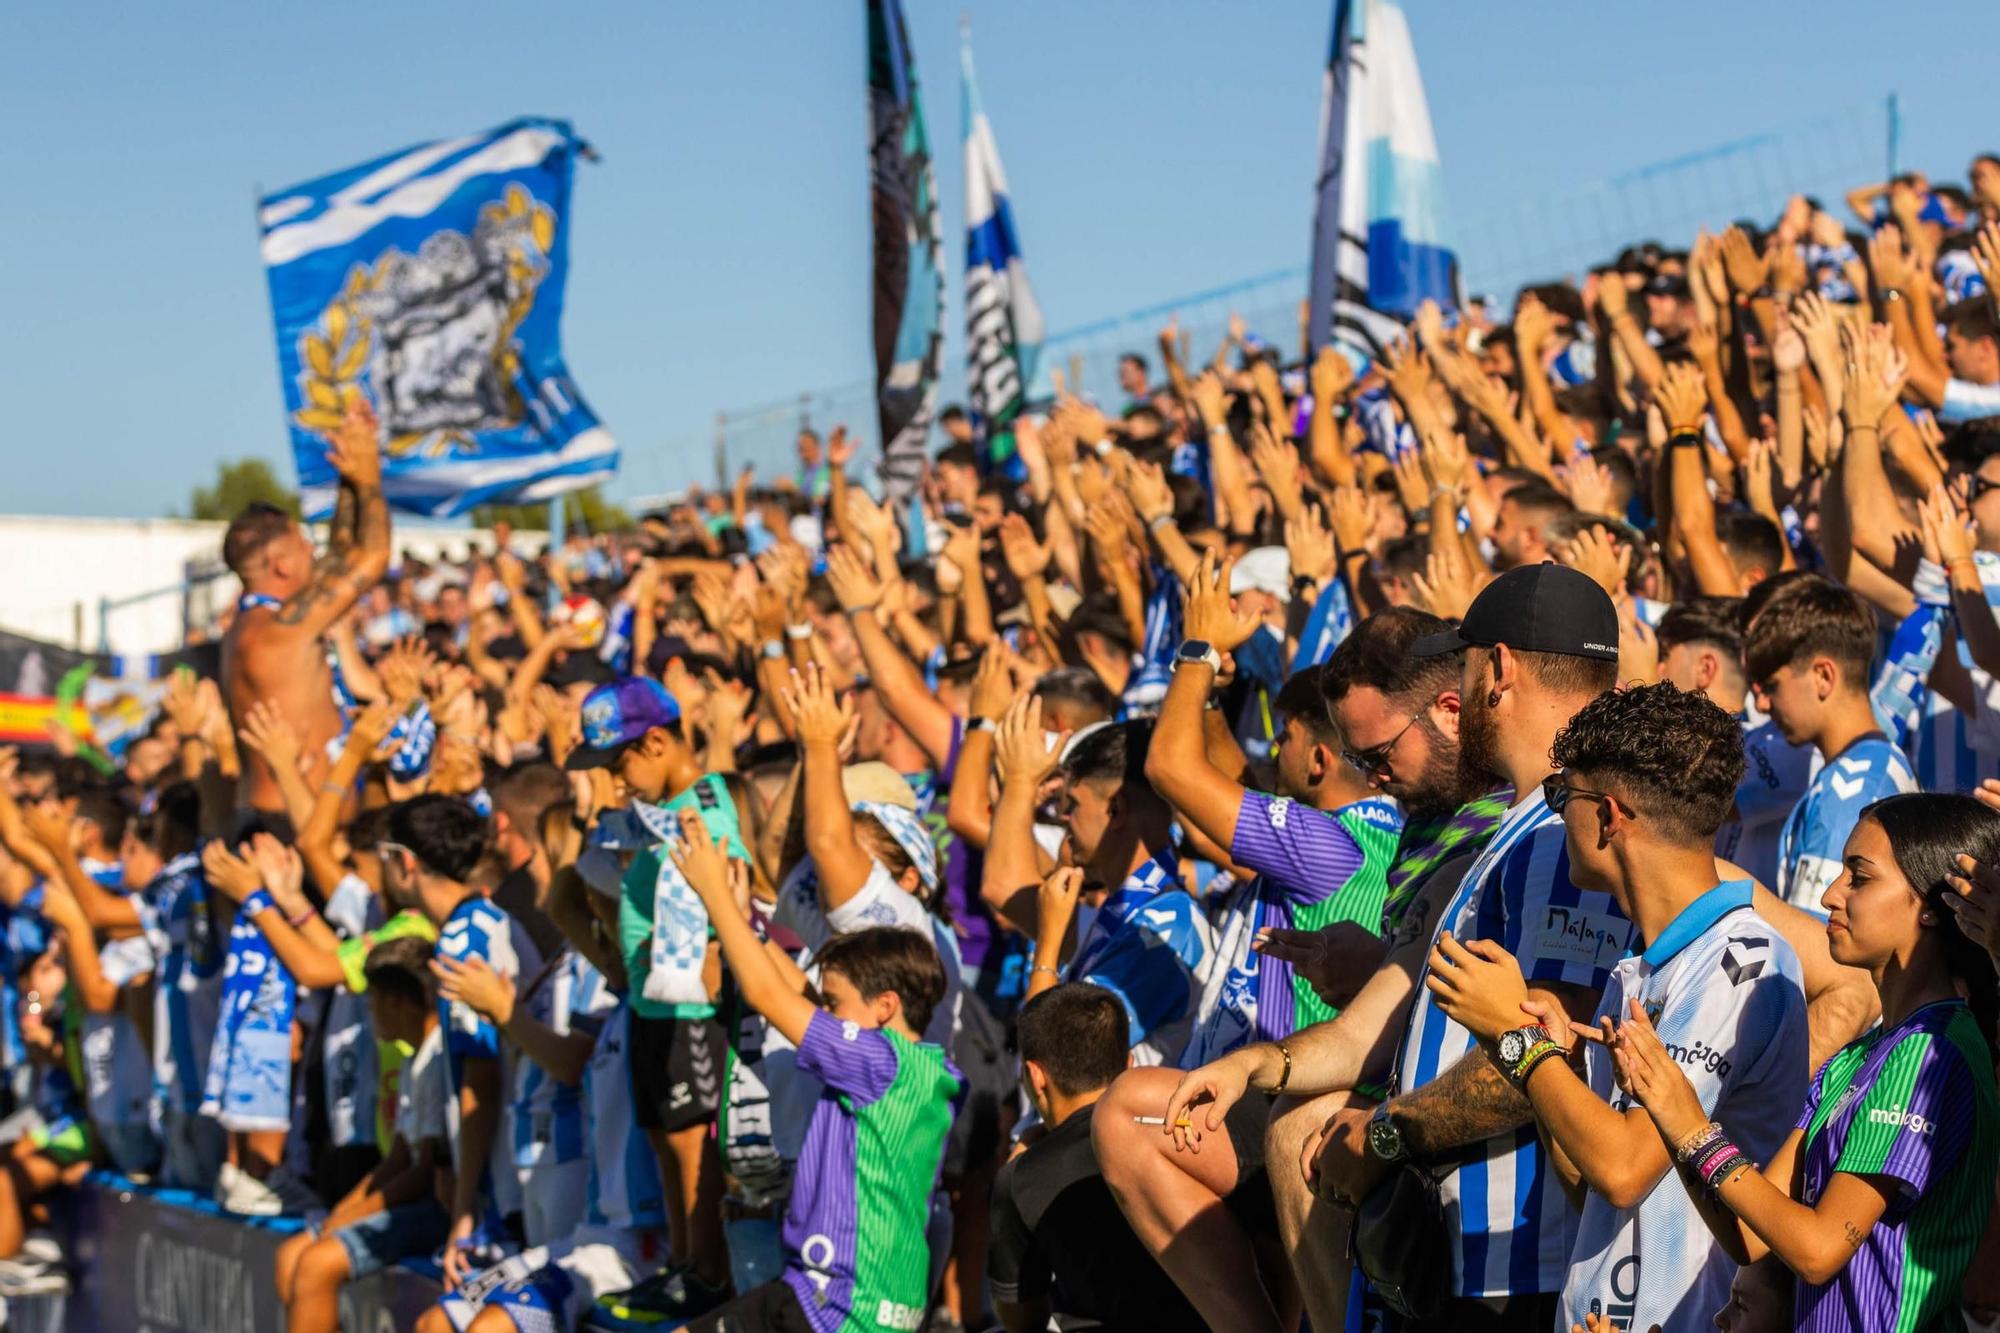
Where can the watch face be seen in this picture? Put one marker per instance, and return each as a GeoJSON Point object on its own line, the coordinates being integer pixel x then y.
{"type": "Point", "coordinates": [1195, 650]}
{"type": "Point", "coordinates": [1384, 1139]}
{"type": "Point", "coordinates": [1513, 1045]}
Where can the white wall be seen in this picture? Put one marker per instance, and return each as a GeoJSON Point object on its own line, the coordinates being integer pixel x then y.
{"type": "Point", "coordinates": [49, 567]}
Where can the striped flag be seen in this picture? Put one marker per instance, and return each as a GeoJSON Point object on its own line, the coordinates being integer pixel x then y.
{"type": "Point", "coordinates": [909, 285]}
{"type": "Point", "coordinates": [1003, 325]}
{"type": "Point", "coordinates": [1378, 232]}
{"type": "Point", "coordinates": [430, 283]}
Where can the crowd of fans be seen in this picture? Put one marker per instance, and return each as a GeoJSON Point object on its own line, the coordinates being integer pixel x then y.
{"type": "Point", "coordinates": [1504, 834]}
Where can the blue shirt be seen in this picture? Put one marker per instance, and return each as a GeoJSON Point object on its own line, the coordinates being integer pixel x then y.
{"type": "Point", "coordinates": [477, 929]}
{"type": "Point", "coordinates": [1814, 839]}
{"type": "Point", "coordinates": [1148, 946]}
{"type": "Point", "coordinates": [1507, 1207]}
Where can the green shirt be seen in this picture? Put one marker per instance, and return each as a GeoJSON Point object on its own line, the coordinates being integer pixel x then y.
{"type": "Point", "coordinates": [352, 955]}
{"type": "Point", "coordinates": [709, 797]}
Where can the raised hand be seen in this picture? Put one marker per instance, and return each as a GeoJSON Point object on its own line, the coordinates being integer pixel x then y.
{"type": "Point", "coordinates": [1614, 298]}
{"type": "Point", "coordinates": [1788, 347]}
{"type": "Point", "coordinates": [354, 449]}
{"type": "Point", "coordinates": [371, 729]}
{"type": "Point", "coordinates": [1023, 752]}
{"type": "Point", "coordinates": [1208, 612]}
{"type": "Point", "coordinates": [723, 709]}
{"type": "Point", "coordinates": [1209, 398]}
{"type": "Point", "coordinates": [820, 716]}
{"type": "Point", "coordinates": [403, 668]}
{"type": "Point", "coordinates": [1277, 461]}
{"type": "Point", "coordinates": [1876, 369]}
{"type": "Point", "coordinates": [1683, 398]}
{"type": "Point", "coordinates": [1446, 459]}
{"type": "Point", "coordinates": [1891, 263]}
{"type": "Point", "coordinates": [1594, 552]}
{"type": "Point", "coordinates": [993, 683]}
{"type": "Point", "coordinates": [1746, 268]}
{"type": "Point", "coordinates": [235, 876]}
{"type": "Point", "coordinates": [1532, 325]}
{"type": "Point", "coordinates": [1447, 585]}
{"type": "Point", "coordinates": [280, 869]}
{"type": "Point", "coordinates": [1056, 900]}
{"type": "Point", "coordinates": [702, 860]}
{"type": "Point", "coordinates": [1590, 486]}
{"type": "Point", "coordinates": [1353, 515]}
{"type": "Point", "coordinates": [853, 582]}
{"type": "Point", "coordinates": [1331, 375]}
{"type": "Point", "coordinates": [1026, 558]}
{"type": "Point", "coordinates": [1309, 542]}
{"type": "Point", "coordinates": [839, 448]}
{"type": "Point", "coordinates": [1948, 531]}
{"type": "Point", "coordinates": [268, 732]}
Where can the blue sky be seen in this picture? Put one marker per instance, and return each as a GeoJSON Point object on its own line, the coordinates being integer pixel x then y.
{"type": "Point", "coordinates": [719, 251]}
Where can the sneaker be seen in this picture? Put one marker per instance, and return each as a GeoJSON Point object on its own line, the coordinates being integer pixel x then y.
{"type": "Point", "coordinates": [42, 1250]}
{"type": "Point", "coordinates": [674, 1293]}
{"type": "Point", "coordinates": [237, 1191]}
{"type": "Point", "coordinates": [43, 1283]}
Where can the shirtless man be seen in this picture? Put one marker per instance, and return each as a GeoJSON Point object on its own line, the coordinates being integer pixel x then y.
{"type": "Point", "coordinates": [273, 651]}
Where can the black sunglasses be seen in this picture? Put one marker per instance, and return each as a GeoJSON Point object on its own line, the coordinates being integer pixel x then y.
{"type": "Point", "coordinates": [1375, 758]}
{"type": "Point", "coordinates": [1976, 486]}
{"type": "Point", "coordinates": [1556, 794]}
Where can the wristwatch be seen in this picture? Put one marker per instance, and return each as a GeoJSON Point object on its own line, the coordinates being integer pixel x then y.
{"type": "Point", "coordinates": [1199, 650]}
{"type": "Point", "coordinates": [1514, 1044]}
{"type": "Point", "coordinates": [1385, 1141]}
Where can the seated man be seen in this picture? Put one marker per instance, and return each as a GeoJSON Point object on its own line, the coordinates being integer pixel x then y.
{"type": "Point", "coordinates": [1060, 1246]}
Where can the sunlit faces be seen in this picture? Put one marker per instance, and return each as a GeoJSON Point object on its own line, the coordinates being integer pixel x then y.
{"type": "Point", "coordinates": [1873, 912]}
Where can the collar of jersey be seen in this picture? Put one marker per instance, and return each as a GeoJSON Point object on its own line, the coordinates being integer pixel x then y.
{"type": "Point", "coordinates": [1697, 917]}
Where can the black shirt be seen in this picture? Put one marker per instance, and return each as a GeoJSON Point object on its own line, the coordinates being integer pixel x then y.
{"type": "Point", "coordinates": [1058, 1235]}
{"type": "Point", "coordinates": [515, 895]}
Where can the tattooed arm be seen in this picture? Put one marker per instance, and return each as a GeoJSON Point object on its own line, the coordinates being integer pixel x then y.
{"type": "Point", "coordinates": [357, 554]}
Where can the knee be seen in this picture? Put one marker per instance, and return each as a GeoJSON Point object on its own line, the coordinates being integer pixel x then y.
{"type": "Point", "coordinates": [435, 1320]}
{"type": "Point", "coordinates": [287, 1265]}
{"type": "Point", "coordinates": [492, 1319]}
{"type": "Point", "coordinates": [323, 1267]}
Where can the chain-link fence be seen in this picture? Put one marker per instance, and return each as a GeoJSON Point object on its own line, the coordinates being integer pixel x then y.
{"type": "Point", "coordinates": [1556, 234]}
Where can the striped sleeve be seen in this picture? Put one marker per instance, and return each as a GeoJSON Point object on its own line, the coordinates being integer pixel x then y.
{"type": "Point", "coordinates": [1304, 851]}
{"type": "Point", "coordinates": [856, 1061]}
{"type": "Point", "coordinates": [1916, 1118]}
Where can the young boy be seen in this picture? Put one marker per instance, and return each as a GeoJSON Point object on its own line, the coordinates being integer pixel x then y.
{"type": "Point", "coordinates": [1807, 654]}
{"type": "Point", "coordinates": [397, 1211]}
{"type": "Point", "coordinates": [1060, 1245]}
{"type": "Point", "coordinates": [855, 1253]}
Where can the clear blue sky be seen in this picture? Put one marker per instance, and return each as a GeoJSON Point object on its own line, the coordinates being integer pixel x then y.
{"type": "Point", "coordinates": [719, 257]}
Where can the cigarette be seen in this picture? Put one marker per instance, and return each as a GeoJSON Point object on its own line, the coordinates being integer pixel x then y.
{"type": "Point", "coordinates": [1161, 1120]}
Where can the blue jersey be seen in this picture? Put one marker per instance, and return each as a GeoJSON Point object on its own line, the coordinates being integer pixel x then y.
{"type": "Point", "coordinates": [1775, 774]}
{"type": "Point", "coordinates": [568, 996]}
{"type": "Point", "coordinates": [1507, 1207]}
{"type": "Point", "coordinates": [477, 929]}
{"type": "Point", "coordinates": [1149, 946]}
{"type": "Point", "coordinates": [1815, 834]}
{"type": "Point", "coordinates": [187, 992]}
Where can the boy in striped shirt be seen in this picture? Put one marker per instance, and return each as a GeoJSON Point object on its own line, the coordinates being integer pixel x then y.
{"type": "Point", "coordinates": [855, 1253]}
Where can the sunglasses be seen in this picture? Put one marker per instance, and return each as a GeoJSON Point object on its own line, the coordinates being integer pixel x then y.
{"type": "Point", "coordinates": [1375, 758]}
{"type": "Point", "coordinates": [1558, 795]}
{"type": "Point", "coordinates": [1976, 486]}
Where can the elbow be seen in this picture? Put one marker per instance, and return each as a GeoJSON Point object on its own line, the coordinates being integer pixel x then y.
{"type": "Point", "coordinates": [1821, 1266]}
{"type": "Point", "coordinates": [1624, 1189]}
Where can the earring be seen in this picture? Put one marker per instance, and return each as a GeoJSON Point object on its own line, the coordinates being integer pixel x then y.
{"type": "Point", "coordinates": [1493, 699]}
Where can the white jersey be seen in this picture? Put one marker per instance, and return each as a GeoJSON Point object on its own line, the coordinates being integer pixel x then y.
{"type": "Point", "coordinates": [420, 1092]}
{"type": "Point", "coordinates": [117, 1066]}
{"type": "Point", "coordinates": [1725, 992]}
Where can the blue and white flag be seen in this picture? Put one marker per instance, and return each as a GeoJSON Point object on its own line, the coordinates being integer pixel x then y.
{"type": "Point", "coordinates": [1378, 233]}
{"type": "Point", "coordinates": [430, 282]}
{"type": "Point", "coordinates": [1003, 325]}
{"type": "Point", "coordinates": [909, 284]}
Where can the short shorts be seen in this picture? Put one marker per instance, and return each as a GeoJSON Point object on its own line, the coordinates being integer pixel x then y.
{"type": "Point", "coordinates": [378, 1240]}
{"type": "Point", "coordinates": [677, 1071]}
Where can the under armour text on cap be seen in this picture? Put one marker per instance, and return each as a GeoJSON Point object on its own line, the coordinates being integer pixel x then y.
{"type": "Point", "coordinates": [1545, 608]}
{"type": "Point", "coordinates": [617, 714]}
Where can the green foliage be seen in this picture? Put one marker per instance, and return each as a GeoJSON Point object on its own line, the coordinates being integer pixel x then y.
{"type": "Point", "coordinates": [583, 511]}
{"type": "Point", "coordinates": [236, 485]}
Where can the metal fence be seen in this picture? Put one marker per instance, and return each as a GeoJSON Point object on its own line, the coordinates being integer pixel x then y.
{"type": "Point", "coordinates": [1558, 233]}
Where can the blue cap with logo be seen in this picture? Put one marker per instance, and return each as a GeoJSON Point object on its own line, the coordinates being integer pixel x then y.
{"type": "Point", "coordinates": [616, 715]}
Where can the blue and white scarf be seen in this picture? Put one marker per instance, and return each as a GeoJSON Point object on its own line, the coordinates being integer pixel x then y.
{"type": "Point", "coordinates": [910, 834]}
{"type": "Point", "coordinates": [1143, 885]}
{"type": "Point", "coordinates": [249, 1085]}
{"type": "Point", "coordinates": [418, 732]}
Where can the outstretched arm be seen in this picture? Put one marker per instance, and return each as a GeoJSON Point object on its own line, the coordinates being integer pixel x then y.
{"type": "Point", "coordinates": [353, 563]}
{"type": "Point", "coordinates": [895, 678]}
{"type": "Point", "coordinates": [1177, 762]}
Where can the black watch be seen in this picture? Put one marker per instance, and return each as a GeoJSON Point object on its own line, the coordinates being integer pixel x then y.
{"type": "Point", "coordinates": [1385, 1141]}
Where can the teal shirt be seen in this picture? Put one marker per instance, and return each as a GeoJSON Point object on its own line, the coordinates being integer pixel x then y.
{"type": "Point", "coordinates": [709, 797]}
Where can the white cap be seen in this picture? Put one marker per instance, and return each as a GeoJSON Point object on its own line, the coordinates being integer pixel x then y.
{"type": "Point", "coordinates": [1265, 569]}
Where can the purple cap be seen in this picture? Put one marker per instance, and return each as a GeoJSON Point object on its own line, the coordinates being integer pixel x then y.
{"type": "Point", "coordinates": [617, 714]}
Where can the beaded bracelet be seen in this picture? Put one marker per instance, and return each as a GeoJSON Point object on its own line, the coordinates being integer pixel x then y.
{"type": "Point", "coordinates": [1691, 1147]}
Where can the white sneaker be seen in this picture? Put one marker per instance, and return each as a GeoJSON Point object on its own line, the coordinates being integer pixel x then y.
{"type": "Point", "coordinates": [237, 1191]}
{"type": "Point", "coordinates": [42, 1250]}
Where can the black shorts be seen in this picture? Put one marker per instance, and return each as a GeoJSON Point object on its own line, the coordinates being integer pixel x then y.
{"type": "Point", "coordinates": [677, 1071]}
{"type": "Point", "coordinates": [771, 1308]}
{"type": "Point", "coordinates": [1251, 1202]}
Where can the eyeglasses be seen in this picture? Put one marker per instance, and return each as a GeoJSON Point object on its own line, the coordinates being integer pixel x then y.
{"type": "Point", "coordinates": [1375, 758]}
{"type": "Point", "coordinates": [385, 848]}
{"type": "Point", "coordinates": [1976, 486]}
{"type": "Point", "coordinates": [1557, 794]}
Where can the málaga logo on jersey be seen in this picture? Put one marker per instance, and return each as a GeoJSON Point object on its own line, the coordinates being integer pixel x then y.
{"type": "Point", "coordinates": [433, 333]}
{"type": "Point", "coordinates": [1896, 1115]}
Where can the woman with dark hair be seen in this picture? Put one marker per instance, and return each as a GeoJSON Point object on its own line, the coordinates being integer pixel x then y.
{"type": "Point", "coordinates": [1877, 1200]}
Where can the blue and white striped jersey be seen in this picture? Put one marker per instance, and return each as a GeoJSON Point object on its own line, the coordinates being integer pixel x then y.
{"type": "Point", "coordinates": [568, 996]}
{"type": "Point", "coordinates": [1508, 1207]}
{"type": "Point", "coordinates": [624, 1181]}
{"type": "Point", "coordinates": [1775, 775]}
{"type": "Point", "coordinates": [1727, 996]}
{"type": "Point", "coordinates": [1814, 838]}
{"type": "Point", "coordinates": [478, 929]}
{"type": "Point", "coordinates": [1149, 945]}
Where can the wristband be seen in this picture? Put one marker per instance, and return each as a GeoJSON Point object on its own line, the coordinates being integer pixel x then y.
{"type": "Point", "coordinates": [333, 789]}
{"type": "Point", "coordinates": [1716, 1168]}
{"type": "Point", "coordinates": [774, 649]}
{"type": "Point", "coordinates": [1727, 1171]}
{"type": "Point", "coordinates": [1044, 967]}
{"type": "Point", "coordinates": [981, 724]}
{"type": "Point", "coordinates": [1284, 1078]}
{"type": "Point", "coordinates": [1532, 1059]}
{"type": "Point", "coordinates": [852, 611]}
{"type": "Point", "coordinates": [259, 901]}
{"type": "Point", "coordinates": [1712, 1158]}
{"type": "Point", "coordinates": [798, 632]}
{"type": "Point", "coordinates": [298, 922]}
{"type": "Point", "coordinates": [1158, 521]}
{"type": "Point", "coordinates": [1684, 439]}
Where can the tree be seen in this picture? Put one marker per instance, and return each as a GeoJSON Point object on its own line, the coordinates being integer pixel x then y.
{"type": "Point", "coordinates": [237, 485]}
{"type": "Point", "coordinates": [583, 511]}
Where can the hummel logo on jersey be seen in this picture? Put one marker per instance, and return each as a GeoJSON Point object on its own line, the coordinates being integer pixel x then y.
{"type": "Point", "coordinates": [1746, 966]}
{"type": "Point", "coordinates": [1896, 1115]}
{"type": "Point", "coordinates": [1845, 788]}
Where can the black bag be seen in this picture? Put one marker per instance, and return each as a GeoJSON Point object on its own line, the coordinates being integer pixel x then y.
{"type": "Point", "coordinates": [1401, 1244]}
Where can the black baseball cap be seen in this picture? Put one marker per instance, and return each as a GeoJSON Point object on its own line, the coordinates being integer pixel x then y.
{"type": "Point", "coordinates": [1545, 608]}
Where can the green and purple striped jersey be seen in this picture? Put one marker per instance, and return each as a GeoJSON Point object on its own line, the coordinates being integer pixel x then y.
{"type": "Point", "coordinates": [1915, 1104]}
{"type": "Point", "coordinates": [1429, 843]}
{"type": "Point", "coordinates": [854, 1234]}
